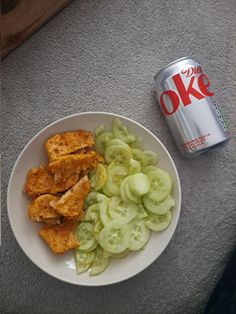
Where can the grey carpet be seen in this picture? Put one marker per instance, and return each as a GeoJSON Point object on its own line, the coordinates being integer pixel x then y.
{"type": "Point", "coordinates": [102, 55]}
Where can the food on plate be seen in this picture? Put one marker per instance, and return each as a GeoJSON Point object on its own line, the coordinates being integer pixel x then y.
{"type": "Point", "coordinates": [71, 203]}
{"type": "Point", "coordinates": [42, 209]}
{"type": "Point", "coordinates": [66, 143]}
{"type": "Point", "coordinates": [103, 200]}
{"type": "Point", "coordinates": [41, 181]}
{"type": "Point", "coordinates": [60, 188]}
{"type": "Point", "coordinates": [66, 166]}
{"type": "Point", "coordinates": [130, 197]}
{"type": "Point", "coordinates": [60, 238]}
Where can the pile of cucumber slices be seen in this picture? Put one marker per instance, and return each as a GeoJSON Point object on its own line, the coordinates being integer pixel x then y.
{"type": "Point", "coordinates": [130, 197]}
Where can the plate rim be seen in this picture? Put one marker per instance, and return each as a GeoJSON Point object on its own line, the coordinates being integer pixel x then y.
{"type": "Point", "coordinates": [13, 172]}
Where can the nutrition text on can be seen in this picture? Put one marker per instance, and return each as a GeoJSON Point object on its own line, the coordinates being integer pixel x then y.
{"type": "Point", "coordinates": [186, 99]}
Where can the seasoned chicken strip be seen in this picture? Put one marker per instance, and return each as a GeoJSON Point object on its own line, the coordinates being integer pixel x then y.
{"type": "Point", "coordinates": [60, 238]}
{"type": "Point", "coordinates": [66, 143]}
{"type": "Point", "coordinates": [71, 203]}
{"type": "Point", "coordinates": [65, 166]}
{"type": "Point", "coordinates": [42, 181]}
{"type": "Point", "coordinates": [41, 209]}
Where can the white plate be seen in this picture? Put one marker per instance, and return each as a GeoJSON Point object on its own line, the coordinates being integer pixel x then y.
{"type": "Point", "coordinates": [25, 231]}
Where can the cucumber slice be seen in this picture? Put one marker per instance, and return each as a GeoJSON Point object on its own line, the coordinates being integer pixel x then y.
{"type": "Point", "coordinates": [121, 132]}
{"type": "Point", "coordinates": [139, 184]}
{"type": "Point", "coordinates": [92, 181]}
{"type": "Point", "coordinates": [116, 174]}
{"type": "Point", "coordinates": [149, 169]}
{"type": "Point", "coordinates": [159, 208]}
{"type": "Point", "coordinates": [114, 237]}
{"type": "Point", "coordinates": [141, 212]}
{"type": "Point", "coordinates": [107, 190]}
{"type": "Point", "coordinates": [138, 155]}
{"type": "Point", "coordinates": [134, 166]}
{"type": "Point", "coordinates": [81, 268]}
{"type": "Point", "coordinates": [158, 222]}
{"type": "Point", "coordinates": [161, 185]}
{"type": "Point", "coordinates": [104, 212]}
{"type": "Point", "coordinates": [107, 254]}
{"type": "Point", "coordinates": [97, 229]}
{"type": "Point", "coordinates": [100, 263]}
{"type": "Point", "coordinates": [121, 255]}
{"type": "Point", "coordinates": [99, 130]}
{"type": "Point", "coordinates": [101, 142]}
{"type": "Point", "coordinates": [138, 143]}
{"type": "Point", "coordinates": [92, 198]}
{"type": "Point", "coordinates": [118, 154]}
{"type": "Point", "coordinates": [132, 196]}
{"type": "Point", "coordinates": [139, 234]}
{"type": "Point", "coordinates": [149, 157]}
{"type": "Point", "coordinates": [101, 177]}
{"type": "Point", "coordinates": [92, 248]}
{"type": "Point", "coordinates": [92, 212]}
{"type": "Point", "coordinates": [122, 211]}
{"type": "Point", "coordinates": [112, 188]}
{"type": "Point", "coordinates": [82, 257]}
{"type": "Point", "coordinates": [84, 235]}
{"type": "Point", "coordinates": [123, 194]}
{"type": "Point", "coordinates": [116, 141]}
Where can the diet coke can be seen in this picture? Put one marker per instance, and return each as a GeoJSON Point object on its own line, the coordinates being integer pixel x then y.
{"type": "Point", "coordinates": [187, 101]}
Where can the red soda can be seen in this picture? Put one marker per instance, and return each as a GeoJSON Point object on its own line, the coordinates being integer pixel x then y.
{"type": "Point", "coordinates": [187, 101]}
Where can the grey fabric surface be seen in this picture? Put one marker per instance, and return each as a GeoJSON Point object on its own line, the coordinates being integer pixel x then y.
{"type": "Point", "coordinates": [102, 56]}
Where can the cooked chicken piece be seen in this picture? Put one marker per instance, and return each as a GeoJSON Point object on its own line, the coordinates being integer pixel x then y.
{"type": "Point", "coordinates": [77, 218]}
{"type": "Point", "coordinates": [66, 143]}
{"type": "Point", "coordinates": [41, 181]}
{"type": "Point", "coordinates": [41, 209]}
{"type": "Point", "coordinates": [71, 203]}
{"type": "Point", "coordinates": [60, 238]}
{"type": "Point", "coordinates": [65, 166]}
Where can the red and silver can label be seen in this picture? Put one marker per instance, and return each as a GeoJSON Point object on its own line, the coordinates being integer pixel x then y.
{"type": "Point", "coordinates": [187, 101]}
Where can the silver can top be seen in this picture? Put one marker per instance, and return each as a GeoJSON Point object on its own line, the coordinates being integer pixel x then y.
{"type": "Point", "coordinates": [170, 64]}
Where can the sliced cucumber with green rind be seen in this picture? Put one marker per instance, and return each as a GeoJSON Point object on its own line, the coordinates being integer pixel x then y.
{"type": "Point", "coordinates": [160, 184]}
{"type": "Point", "coordinates": [158, 222]}
{"type": "Point", "coordinates": [81, 268]}
{"type": "Point", "coordinates": [92, 198]}
{"type": "Point", "coordinates": [85, 236]}
{"type": "Point", "coordinates": [147, 169]}
{"type": "Point", "coordinates": [139, 184]}
{"type": "Point", "coordinates": [101, 177]}
{"type": "Point", "coordinates": [99, 130]}
{"type": "Point", "coordinates": [116, 174]}
{"type": "Point", "coordinates": [106, 190]}
{"type": "Point", "coordinates": [102, 140]}
{"type": "Point", "coordinates": [134, 166]}
{"type": "Point", "coordinates": [139, 234]}
{"type": "Point", "coordinates": [99, 263]}
{"type": "Point", "coordinates": [159, 208]}
{"type": "Point", "coordinates": [123, 194]}
{"type": "Point", "coordinates": [92, 212]}
{"type": "Point", "coordinates": [121, 132]}
{"type": "Point", "coordinates": [116, 141]}
{"type": "Point", "coordinates": [114, 237]}
{"type": "Point", "coordinates": [138, 155]}
{"type": "Point", "coordinates": [121, 255]}
{"type": "Point", "coordinates": [97, 229]}
{"type": "Point", "coordinates": [149, 158]}
{"type": "Point", "coordinates": [118, 209]}
{"type": "Point", "coordinates": [141, 212]}
{"type": "Point", "coordinates": [132, 196]}
{"type": "Point", "coordinates": [137, 143]}
{"type": "Point", "coordinates": [118, 154]}
{"type": "Point", "coordinates": [83, 257]}
{"type": "Point", "coordinates": [104, 215]}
